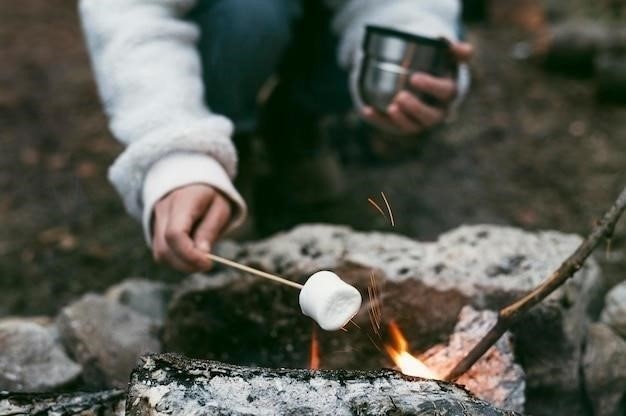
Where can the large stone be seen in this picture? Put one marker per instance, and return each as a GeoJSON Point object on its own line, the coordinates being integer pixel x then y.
{"type": "Point", "coordinates": [106, 338]}
{"type": "Point", "coordinates": [32, 358]}
{"type": "Point", "coordinates": [496, 377]}
{"type": "Point", "coordinates": [614, 312]}
{"type": "Point", "coordinates": [423, 286]}
{"type": "Point", "coordinates": [145, 296]}
{"type": "Point", "coordinates": [604, 367]}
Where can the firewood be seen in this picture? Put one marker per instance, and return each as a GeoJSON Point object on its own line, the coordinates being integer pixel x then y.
{"type": "Point", "coordinates": [169, 384]}
{"type": "Point", "coordinates": [106, 402]}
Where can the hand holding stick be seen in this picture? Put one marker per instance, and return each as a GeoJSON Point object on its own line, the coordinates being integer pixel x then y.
{"type": "Point", "coordinates": [508, 315]}
{"type": "Point", "coordinates": [330, 301]}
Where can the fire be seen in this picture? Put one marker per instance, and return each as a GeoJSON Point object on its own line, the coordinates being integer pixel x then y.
{"type": "Point", "coordinates": [407, 363]}
{"type": "Point", "coordinates": [314, 352]}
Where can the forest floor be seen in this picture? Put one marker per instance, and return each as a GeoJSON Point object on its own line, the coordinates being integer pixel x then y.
{"type": "Point", "coordinates": [529, 149]}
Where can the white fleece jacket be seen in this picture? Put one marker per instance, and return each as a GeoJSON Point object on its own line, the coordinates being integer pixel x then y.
{"type": "Point", "coordinates": [148, 74]}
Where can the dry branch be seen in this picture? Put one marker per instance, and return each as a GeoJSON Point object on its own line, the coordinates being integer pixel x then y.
{"type": "Point", "coordinates": [508, 315]}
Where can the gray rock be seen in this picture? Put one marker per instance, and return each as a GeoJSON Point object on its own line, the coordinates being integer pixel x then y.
{"type": "Point", "coordinates": [614, 312]}
{"type": "Point", "coordinates": [145, 296]}
{"type": "Point", "coordinates": [604, 367]}
{"type": "Point", "coordinates": [32, 358]}
{"type": "Point", "coordinates": [106, 338]}
{"type": "Point", "coordinates": [495, 378]}
{"type": "Point", "coordinates": [423, 286]}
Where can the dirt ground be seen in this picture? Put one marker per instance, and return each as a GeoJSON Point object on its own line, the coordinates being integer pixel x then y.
{"type": "Point", "coordinates": [529, 149]}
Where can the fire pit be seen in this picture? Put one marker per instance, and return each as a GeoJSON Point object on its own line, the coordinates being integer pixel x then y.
{"type": "Point", "coordinates": [234, 318]}
{"type": "Point", "coordinates": [425, 306]}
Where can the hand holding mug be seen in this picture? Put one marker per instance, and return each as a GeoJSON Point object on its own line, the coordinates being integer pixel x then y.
{"type": "Point", "coordinates": [409, 113]}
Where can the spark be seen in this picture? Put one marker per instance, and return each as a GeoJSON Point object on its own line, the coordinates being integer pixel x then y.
{"type": "Point", "coordinates": [374, 309]}
{"type": "Point", "coordinates": [382, 212]}
{"type": "Point", "coordinates": [355, 324]}
{"type": "Point", "coordinates": [388, 209]}
{"type": "Point", "coordinates": [374, 343]}
{"type": "Point", "coordinates": [371, 201]}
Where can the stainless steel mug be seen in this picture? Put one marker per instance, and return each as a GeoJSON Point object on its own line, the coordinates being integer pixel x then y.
{"type": "Point", "coordinates": [392, 56]}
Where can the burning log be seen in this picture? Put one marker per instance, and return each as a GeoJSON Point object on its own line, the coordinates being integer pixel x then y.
{"type": "Point", "coordinates": [171, 384]}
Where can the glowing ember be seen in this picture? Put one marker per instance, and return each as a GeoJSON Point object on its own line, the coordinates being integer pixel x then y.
{"type": "Point", "coordinates": [408, 364]}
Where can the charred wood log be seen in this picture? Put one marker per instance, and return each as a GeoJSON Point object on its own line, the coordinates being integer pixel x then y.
{"type": "Point", "coordinates": [105, 403]}
{"type": "Point", "coordinates": [169, 384]}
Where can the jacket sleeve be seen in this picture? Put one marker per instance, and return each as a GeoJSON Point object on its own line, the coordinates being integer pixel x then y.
{"type": "Point", "coordinates": [432, 18]}
{"type": "Point", "coordinates": [148, 73]}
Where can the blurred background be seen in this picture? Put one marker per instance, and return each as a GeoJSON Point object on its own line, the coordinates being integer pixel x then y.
{"type": "Point", "coordinates": [540, 143]}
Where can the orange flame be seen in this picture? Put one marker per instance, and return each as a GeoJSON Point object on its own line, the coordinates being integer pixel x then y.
{"type": "Point", "coordinates": [314, 352]}
{"type": "Point", "coordinates": [407, 363]}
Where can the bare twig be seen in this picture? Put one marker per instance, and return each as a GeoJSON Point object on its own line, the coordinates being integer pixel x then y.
{"type": "Point", "coordinates": [508, 315]}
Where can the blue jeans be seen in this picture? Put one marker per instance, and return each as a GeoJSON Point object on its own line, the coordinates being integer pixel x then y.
{"type": "Point", "coordinates": [244, 42]}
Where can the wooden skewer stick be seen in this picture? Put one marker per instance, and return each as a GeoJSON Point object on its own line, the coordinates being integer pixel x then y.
{"type": "Point", "coordinates": [255, 272]}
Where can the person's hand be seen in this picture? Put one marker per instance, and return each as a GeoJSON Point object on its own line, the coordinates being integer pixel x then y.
{"type": "Point", "coordinates": [186, 223]}
{"type": "Point", "coordinates": [407, 114]}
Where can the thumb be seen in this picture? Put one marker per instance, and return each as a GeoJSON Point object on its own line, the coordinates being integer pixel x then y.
{"type": "Point", "coordinates": [203, 244]}
{"type": "Point", "coordinates": [463, 51]}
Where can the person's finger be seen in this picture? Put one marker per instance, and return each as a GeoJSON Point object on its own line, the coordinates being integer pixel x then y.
{"type": "Point", "coordinates": [213, 224]}
{"type": "Point", "coordinates": [160, 249]}
{"type": "Point", "coordinates": [184, 213]}
{"type": "Point", "coordinates": [375, 117]}
{"type": "Point", "coordinates": [463, 51]}
{"type": "Point", "coordinates": [401, 120]}
{"type": "Point", "coordinates": [443, 89]}
{"type": "Point", "coordinates": [159, 246]}
{"type": "Point", "coordinates": [424, 114]}
{"type": "Point", "coordinates": [179, 264]}
{"type": "Point", "coordinates": [381, 120]}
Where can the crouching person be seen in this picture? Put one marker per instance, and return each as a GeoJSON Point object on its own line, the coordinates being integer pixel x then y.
{"type": "Point", "coordinates": [179, 80]}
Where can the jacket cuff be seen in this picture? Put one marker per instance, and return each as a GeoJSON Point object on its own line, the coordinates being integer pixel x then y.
{"type": "Point", "coordinates": [180, 169]}
{"type": "Point", "coordinates": [208, 136]}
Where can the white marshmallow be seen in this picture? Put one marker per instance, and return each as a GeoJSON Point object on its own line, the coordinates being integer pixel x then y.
{"type": "Point", "coordinates": [329, 300]}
